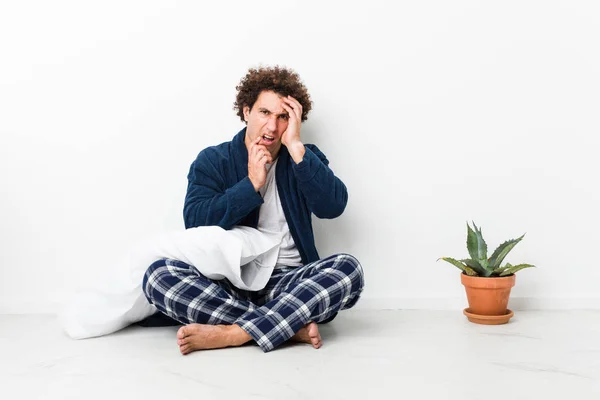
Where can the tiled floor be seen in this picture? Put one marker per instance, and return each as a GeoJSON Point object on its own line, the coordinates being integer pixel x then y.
{"type": "Point", "coordinates": [366, 355]}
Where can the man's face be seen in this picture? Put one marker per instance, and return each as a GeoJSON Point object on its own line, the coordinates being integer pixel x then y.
{"type": "Point", "coordinates": [267, 119]}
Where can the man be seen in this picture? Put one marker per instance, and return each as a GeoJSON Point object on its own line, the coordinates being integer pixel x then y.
{"type": "Point", "coordinates": [268, 179]}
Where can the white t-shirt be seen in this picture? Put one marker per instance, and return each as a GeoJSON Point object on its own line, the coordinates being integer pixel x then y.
{"type": "Point", "coordinates": [272, 219]}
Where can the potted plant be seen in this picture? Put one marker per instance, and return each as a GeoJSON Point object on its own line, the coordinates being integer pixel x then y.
{"type": "Point", "coordinates": [486, 282]}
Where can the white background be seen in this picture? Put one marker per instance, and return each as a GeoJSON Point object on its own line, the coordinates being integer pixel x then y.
{"type": "Point", "coordinates": [432, 112]}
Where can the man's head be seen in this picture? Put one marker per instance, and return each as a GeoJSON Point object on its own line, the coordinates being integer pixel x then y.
{"type": "Point", "coordinates": [258, 103]}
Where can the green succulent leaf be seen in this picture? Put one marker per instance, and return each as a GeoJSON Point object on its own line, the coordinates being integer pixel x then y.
{"type": "Point", "coordinates": [475, 243]}
{"type": "Point", "coordinates": [467, 270]}
{"type": "Point", "coordinates": [474, 265]}
{"type": "Point", "coordinates": [515, 268]}
{"type": "Point", "coordinates": [478, 249]}
{"type": "Point", "coordinates": [485, 264]}
{"type": "Point", "coordinates": [499, 270]}
{"type": "Point", "coordinates": [501, 252]}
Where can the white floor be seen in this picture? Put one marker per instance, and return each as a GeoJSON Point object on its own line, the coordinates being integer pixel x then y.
{"type": "Point", "coordinates": [366, 355]}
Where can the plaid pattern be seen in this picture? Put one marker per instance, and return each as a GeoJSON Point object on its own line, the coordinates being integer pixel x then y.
{"type": "Point", "coordinates": [292, 297]}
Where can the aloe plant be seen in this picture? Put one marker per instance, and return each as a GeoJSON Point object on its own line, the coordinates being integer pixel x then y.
{"type": "Point", "coordinates": [479, 264]}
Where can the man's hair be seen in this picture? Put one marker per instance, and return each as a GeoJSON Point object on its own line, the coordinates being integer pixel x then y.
{"type": "Point", "coordinates": [280, 80]}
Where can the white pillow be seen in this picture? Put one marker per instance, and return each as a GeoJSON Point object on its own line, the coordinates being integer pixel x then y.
{"type": "Point", "coordinates": [243, 255]}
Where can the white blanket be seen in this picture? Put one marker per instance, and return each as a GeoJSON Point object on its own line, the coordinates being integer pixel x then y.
{"type": "Point", "coordinates": [243, 255]}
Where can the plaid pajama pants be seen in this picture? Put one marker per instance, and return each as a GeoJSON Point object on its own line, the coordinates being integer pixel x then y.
{"type": "Point", "coordinates": [292, 298]}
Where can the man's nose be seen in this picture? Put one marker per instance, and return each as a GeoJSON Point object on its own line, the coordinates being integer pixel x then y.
{"type": "Point", "coordinates": [272, 124]}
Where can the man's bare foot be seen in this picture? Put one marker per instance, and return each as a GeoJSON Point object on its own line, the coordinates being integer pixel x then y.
{"type": "Point", "coordinates": [200, 337]}
{"type": "Point", "coordinates": [309, 334]}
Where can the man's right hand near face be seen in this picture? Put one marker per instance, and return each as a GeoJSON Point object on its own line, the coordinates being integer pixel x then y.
{"type": "Point", "coordinates": [258, 158]}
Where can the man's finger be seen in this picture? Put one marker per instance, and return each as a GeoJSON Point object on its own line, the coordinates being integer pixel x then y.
{"type": "Point", "coordinates": [296, 102]}
{"type": "Point", "coordinates": [295, 105]}
{"type": "Point", "coordinates": [267, 154]}
{"type": "Point", "coordinates": [263, 160]}
{"type": "Point", "coordinates": [292, 112]}
{"type": "Point", "coordinates": [257, 147]}
{"type": "Point", "coordinates": [261, 150]}
{"type": "Point", "coordinates": [254, 143]}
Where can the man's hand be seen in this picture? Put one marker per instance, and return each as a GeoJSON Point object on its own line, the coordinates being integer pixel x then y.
{"type": "Point", "coordinates": [258, 157]}
{"type": "Point", "coordinates": [291, 136]}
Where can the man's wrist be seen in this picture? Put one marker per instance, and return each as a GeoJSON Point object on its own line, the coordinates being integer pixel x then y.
{"type": "Point", "coordinates": [296, 150]}
{"type": "Point", "coordinates": [256, 187]}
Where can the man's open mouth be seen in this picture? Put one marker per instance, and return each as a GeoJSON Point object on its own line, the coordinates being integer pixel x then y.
{"type": "Point", "coordinates": [268, 138]}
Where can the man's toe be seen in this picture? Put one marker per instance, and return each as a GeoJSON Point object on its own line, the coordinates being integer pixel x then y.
{"type": "Point", "coordinates": [181, 333]}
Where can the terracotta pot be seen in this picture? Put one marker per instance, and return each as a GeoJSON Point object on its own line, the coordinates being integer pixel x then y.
{"type": "Point", "coordinates": [488, 296]}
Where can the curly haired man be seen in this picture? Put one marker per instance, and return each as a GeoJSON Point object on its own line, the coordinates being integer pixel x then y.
{"type": "Point", "coordinates": [268, 179]}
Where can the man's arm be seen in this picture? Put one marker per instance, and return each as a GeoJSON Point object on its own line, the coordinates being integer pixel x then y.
{"type": "Point", "coordinates": [208, 201]}
{"type": "Point", "coordinates": [326, 195]}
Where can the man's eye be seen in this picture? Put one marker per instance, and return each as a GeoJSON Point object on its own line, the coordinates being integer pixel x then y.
{"type": "Point", "coordinates": [284, 116]}
{"type": "Point", "coordinates": [264, 111]}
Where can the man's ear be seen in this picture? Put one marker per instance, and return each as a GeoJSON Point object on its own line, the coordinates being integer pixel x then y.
{"type": "Point", "coordinates": [246, 113]}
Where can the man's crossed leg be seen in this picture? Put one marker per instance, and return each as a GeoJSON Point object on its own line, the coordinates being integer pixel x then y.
{"type": "Point", "coordinates": [219, 315]}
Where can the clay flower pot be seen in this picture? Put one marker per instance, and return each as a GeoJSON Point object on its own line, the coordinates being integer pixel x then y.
{"type": "Point", "coordinates": [488, 298]}
{"type": "Point", "coordinates": [486, 280]}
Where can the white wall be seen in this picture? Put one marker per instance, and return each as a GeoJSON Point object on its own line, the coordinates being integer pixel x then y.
{"type": "Point", "coordinates": [432, 112]}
